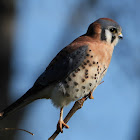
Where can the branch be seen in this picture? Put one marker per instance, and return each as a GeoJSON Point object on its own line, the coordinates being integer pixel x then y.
{"type": "Point", "coordinates": [5, 129]}
{"type": "Point", "coordinates": [78, 104]}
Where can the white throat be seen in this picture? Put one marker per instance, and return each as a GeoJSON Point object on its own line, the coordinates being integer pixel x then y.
{"type": "Point", "coordinates": [108, 35]}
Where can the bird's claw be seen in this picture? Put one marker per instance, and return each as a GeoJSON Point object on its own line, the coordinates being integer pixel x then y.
{"type": "Point", "coordinates": [60, 125]}
{"type": "Point", "coordinates": [90, 95]}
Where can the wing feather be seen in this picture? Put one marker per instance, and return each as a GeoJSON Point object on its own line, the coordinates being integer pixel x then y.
{"type": "Point", "coordinates": [61, 66]}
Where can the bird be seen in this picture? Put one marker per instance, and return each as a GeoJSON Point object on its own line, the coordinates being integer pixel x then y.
{"type": "Point", "coordinates": [76, 70]}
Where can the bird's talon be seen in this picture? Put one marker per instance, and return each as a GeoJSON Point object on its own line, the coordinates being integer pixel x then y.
{"type": "Point", "coordinates": [91, 96]}
{"type": "Point", "coordinates": [65, 125]}
{"type": "Point", "coordinates": [60, 126]}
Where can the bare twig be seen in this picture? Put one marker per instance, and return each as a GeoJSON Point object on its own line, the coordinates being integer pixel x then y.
{"type": "Point", "coordinates": [101, 82]}
{"type": "Point", "coordinates": [78, 104]}
{"type": "Point", "coordinates": [5, 129]}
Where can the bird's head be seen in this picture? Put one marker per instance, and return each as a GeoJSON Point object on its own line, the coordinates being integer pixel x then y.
{"type": "Point", "coordinates": [106, 30]}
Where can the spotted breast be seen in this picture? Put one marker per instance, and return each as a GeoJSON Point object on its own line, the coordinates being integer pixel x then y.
{"type": "Point", "coordinates": [86, 77]}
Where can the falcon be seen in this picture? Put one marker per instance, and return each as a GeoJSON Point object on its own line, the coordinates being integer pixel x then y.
{"type": "Point", "coordinates": [76, 70]}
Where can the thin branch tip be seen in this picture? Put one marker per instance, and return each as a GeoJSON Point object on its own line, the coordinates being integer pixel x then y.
{"type": "Point", "coordinates": [7, 129]}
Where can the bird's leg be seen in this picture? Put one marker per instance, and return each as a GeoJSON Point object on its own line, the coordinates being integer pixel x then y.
{"type": "Point", "coordinates": [61, 122]}
{"type": "Point", "coordinates": [91, 92]}
{"type": "Point", "coordinates": [90, 95]}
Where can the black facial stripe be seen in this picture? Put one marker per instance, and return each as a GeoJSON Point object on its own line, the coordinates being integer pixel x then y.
{"type": "Point", "coordinates": [103, 36]}
{"type": "Point", "coordinates": [113, 38]}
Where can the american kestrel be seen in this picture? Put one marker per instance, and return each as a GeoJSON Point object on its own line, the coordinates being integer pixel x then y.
{"type": "Point", "coordinates": [77, 69]}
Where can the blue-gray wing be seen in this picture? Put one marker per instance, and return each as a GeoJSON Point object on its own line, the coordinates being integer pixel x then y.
{"type": "Point", "coordinates": [62, 65]}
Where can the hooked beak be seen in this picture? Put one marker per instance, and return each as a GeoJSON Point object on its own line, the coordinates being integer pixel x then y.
{"type": "Point", "coordinates": [120, 36]}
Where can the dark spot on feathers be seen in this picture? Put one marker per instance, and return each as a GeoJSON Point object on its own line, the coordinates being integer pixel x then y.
{"type": "Point", "coordinates": [90, 84]}
{"type": "Point", "coordinates": [78, 69]}
{"type": "Point", "coordinates": [75, 83]}
{"type": "Point", "coordinates": [89, 50]}
{"type": "Point", "coordinates": [91, 56]}
{"type": "Point", "coordinates": [87, 61]}
{"type": "Point", "coordinates": [77, 90]}
{"type": "Point", "coordinates": [86, 77]}
{"type": "Point", "coordinates": [73, 75]}
{"type": "Point", "coordinates": [95, 74]}
{"type": "Point", "coordinates": [83, 80]}
{"type": "Point", "coordinates": [90, 65]}
{"type": "Point", "coordinates": [87, 55]}
{"type": "Point", "coordinates": [86, 73]}
{"type": "Point", "coordinates": [83, 87]}
{"type": "Point", "coordinates": [83, 66]}
{"type": "Point", "coordinates": [93, 62]}
{"type": "Point", "coordinates": [69, 78]}
{"type": "Point", "coordinates": [97, 62]}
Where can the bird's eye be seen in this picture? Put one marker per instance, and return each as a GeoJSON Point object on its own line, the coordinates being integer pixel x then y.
{"type": "Point", "coordinates": [113, 30]}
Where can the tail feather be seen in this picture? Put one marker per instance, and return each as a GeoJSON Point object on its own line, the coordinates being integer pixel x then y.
{"type": "Point", "coordinates": [27, 98]}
